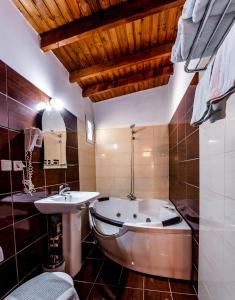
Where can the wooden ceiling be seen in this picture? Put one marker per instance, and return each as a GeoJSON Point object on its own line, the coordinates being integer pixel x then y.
{"type": "Point", "coordinates": [110, 47]}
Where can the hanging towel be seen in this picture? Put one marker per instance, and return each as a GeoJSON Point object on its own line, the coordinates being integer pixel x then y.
{"type": "Point", "coordinates": [195, 9]}
{"type": "Point", "coordinates": [217, 9]}
{"type": "Point", "coordinates": [200, 107]}
{"type": "Point", "coordinates": [216, 85]}
{"type": "Point", "coordinates": [188, 8]}
{"type": "Point", "coordinates": [222, 82]}
{"type": "Point", "coordinates": [187, 31]}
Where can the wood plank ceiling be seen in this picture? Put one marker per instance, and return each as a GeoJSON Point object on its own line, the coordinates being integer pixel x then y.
{"type": "Point", "coordinates": [110, 47]}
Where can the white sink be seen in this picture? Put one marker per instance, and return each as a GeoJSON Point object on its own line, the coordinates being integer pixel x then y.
{"type": "Point", "coordinates": [70, 203]}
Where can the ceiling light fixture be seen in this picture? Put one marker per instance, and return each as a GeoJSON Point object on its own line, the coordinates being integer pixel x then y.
{"type": "Point", "coordinates": [56, 104]}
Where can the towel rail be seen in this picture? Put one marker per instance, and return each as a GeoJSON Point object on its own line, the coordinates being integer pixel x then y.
{"type": "Point", "coordinates": [198, 67]}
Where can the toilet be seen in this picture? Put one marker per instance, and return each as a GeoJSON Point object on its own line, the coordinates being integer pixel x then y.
{"type": "Point", "coordinates": [46, 286]}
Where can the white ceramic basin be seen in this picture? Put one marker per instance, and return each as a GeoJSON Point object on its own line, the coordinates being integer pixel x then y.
{"type": "Point", "coordinates": [70, 203]}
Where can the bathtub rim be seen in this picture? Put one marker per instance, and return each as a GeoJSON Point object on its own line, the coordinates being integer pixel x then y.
{"type": "Point", "coordinates": [125, 227]}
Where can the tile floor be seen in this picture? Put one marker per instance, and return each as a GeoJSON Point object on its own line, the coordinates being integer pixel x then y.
{"type": "Point", "coordinates": [102, 279]}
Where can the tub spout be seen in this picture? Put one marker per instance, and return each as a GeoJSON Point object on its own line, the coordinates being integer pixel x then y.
{"type": "Point", "coordinates": [131, 196]}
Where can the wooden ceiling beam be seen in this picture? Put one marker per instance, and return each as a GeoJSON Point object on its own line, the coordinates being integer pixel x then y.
{"type": "Point", "coordinates": [114, 16]}
{"type": "Point", "coordinates": [121, 62]}
{"type": "Point", "coordinates": [130, 80]}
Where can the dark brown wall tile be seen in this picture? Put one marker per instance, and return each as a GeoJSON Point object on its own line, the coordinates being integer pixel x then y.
{"type": "Point", "coordinates": [16, 139]}
{"type": "Point", "coordinates": [72, 138]}
{"type": "Point", "coordinates": [23, 204]}
{"type": "Point", "coordinates": [189, 128]}
{"type": "Point", "coordinates": [17, 112]}
{"type": "Point", "coordinates": [3, 110]}
{"type": "Point", "coordinates": [3, 78]}
{"type": "Point", "coordinates": [74, 186]}
{"type": "Point", "coordinates": [193, 145]}
{"type": "Point", "coordinates": [173, 137]}
{"type": "Point", "coordinates": [72, 155]}
{"type": "Point", "coordinates": [7, 241]}
{"type": "Point", "coordinates": [70, 120]}
{"type": "Point", "coordinates": [22, 90]}
{"type": "Point", "coordinates": [189, 96]}
{"type": "Point", "coordinates": [5, 182]}
{"type": "Point", "coordinates": [29, 230]}
{"type": "Point", "coordinates": [182, 151]}
{"type": "Point", "coordinates": [4, 144]}
{"type": "Point", "coordinates": [184, 162]}
{"type": "Point", "coordinates": [72, 174]}
{"type": "Point", "coordinates": [21, 117]}
{"type": "Point", "coordinates": [193, 198]}
{"type": "Point", "coordinates": [31, 257]}
{"type": "Point", "coordinates": [193, 172]}
{"type": "Point", "coordinates": [38, 178]}
{"type": "Point", "coordinates": [52, 190]}
{"type": "Point", "coordinates": [6, 217]}
{"type": "Point", "coordinates": [53, 178]}
{"type": "Point", "coordinates": [8, 277]}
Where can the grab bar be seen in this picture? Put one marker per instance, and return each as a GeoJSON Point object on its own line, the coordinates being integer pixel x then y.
{"type": "Point", "coordinates": [104, 219]}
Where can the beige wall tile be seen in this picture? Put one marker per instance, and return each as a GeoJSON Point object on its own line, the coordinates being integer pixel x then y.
{"type": "Point", "coordinates": [151, 157]}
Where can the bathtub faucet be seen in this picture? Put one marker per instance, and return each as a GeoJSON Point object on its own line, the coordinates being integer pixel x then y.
{"type": "Point", "coordinates": [131, 196]}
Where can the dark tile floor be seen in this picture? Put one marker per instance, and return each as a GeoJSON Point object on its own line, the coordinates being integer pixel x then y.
{"type": "Point", "coordinates": [102, 279]}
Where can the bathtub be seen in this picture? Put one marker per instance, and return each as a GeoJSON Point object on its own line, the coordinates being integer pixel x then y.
{"type": "Point", "coordinates": [148, 236]}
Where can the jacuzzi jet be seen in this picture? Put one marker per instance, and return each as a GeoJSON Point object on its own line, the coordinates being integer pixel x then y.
{"type": "Point", "coordinates": [148, 220]}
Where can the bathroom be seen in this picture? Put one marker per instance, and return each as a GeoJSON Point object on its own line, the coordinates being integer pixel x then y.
{"type": "Point", "coordinates": [117, 149]}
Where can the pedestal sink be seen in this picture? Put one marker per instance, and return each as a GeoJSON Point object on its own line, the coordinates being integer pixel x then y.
{"type": "Point", "coordinates": [70, 206]}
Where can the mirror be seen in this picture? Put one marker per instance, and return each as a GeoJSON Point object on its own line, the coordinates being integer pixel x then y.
{"type": "Point", "coordinates": [54, 132]}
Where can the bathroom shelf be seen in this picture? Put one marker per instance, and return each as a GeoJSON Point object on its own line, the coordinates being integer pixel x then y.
{"type": "Point", "coordinates": [200, 64]}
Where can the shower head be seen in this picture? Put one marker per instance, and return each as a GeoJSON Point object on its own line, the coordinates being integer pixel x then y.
{"type": "Point", "coordinates": [132, 126]}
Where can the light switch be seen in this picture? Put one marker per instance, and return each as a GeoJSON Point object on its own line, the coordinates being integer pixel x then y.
{"type": "Point", "coordinates": [6, 165]}
{"type": "Point", "coordinates": [1, 255]}
{"type": "Point", "coordinates": [18, 165]}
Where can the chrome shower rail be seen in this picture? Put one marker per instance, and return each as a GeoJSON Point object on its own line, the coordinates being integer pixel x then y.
{"type": "Point", "coordinates": [201, 65]}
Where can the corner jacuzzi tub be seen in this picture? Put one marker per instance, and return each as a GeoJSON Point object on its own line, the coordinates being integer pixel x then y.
{"type": "Point", "coordinates": [148, 236]}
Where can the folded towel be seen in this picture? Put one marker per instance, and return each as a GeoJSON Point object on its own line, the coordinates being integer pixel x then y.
{"type": "Point", "coordinates": [187, 31]}
{"type": "Point", "coordinates": [195, 9]}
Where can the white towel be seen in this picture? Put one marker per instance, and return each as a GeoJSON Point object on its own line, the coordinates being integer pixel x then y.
{"type": "Point", "coordinates": [195, 9]}
{"type": "Point", "coordinates": [217, 9]}
{"type": "Point", "coordinates": [187, 31]}
{"type": "Point", "coordinates": [188, 8]}
{"type": "Point", "coordinates": [222, 82]}
{"type": "Point", "coordinates": [223, 75]}
{"type": "Point", "coordinates": [200, 108]}
{"type": "Point", "coordinates": [217, 84]}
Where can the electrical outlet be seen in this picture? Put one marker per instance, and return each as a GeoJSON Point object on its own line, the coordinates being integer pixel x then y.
{"type": "Point", "coordinates": [6, 165]}
{"type": "Point", "coordinates": [18, 165]}
{"type": "Point", "coordinates": [1, 255]}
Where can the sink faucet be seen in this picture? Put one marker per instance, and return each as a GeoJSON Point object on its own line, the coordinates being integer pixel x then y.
{"type": "Point", "coordinates": [63, 188]}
